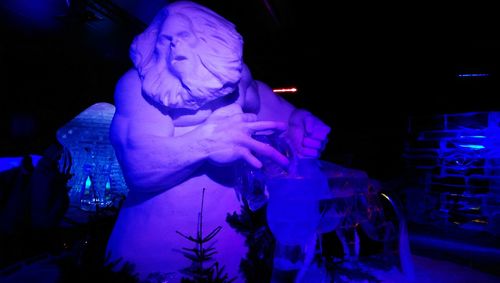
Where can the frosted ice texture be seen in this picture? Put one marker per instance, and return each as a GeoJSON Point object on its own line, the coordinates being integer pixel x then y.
{"type": "Point", "coordinates": [92, 156]}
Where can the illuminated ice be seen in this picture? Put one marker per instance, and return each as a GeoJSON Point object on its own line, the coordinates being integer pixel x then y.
{"type": "Point", "coordinates": [93, 162]}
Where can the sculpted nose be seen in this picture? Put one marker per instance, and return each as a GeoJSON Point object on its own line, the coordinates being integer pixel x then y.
{"type": "Point", "coordinates": [175, 42]}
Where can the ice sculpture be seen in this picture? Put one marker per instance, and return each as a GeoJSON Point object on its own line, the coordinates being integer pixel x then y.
{"type": "Point", "coordinates": [185, 119]}
{"type": "Point", "coordinates": [457, 181]}
{"type": "Point", "coordinates": [96, 175]}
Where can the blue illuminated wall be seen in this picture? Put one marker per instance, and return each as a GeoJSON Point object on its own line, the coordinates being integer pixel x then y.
{"type": "Point", "coordinates": [453, 161]}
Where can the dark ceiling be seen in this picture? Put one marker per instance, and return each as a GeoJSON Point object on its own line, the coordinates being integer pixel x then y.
{"type": "Point", "coordinates": [361, 68]}
{"type": "Point", "coordinates": [342, 48]}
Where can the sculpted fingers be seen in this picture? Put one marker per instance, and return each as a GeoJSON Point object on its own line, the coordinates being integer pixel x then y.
{"type": "Point", "coordinates": [311, 143]}
{"type": "Point", "coordinates": [309, 152]}
{"type": "Point", "coordinates": [312, 147]}
{"type": "Point", "coordinates": [321, 131]}
{"type": "Point", "coordinates": [250, 158]}
{"type": "Point", "coordinates": [267, 125]}
{"type": "Point", "coordinates": [309, 124]}
{"type": "Point", "coordinates": [235, 118]}
{"type": "Point", "coordinates": [266, 151]}
{"type": "Point", "coordinates": [248, 117]}
{"type": "Point", "coordinates": [315, 128]}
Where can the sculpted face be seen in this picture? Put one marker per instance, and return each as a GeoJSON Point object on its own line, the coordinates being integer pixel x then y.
{"type": "Point", "coordinates": [178, 38]}
{"type": "Point", "coordinates": [188, 57]}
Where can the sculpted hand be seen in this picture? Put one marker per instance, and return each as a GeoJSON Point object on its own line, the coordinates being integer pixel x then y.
{"type": "Point", "coordinates": [307, 134]}
{"type": "Point", "coordinates": [227, 136]}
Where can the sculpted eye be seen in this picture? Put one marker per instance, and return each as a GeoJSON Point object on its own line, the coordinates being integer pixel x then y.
{"type": "Point", "coordinates": [164, 39]}
{"type": "Point", "coordinates": [184, 34]}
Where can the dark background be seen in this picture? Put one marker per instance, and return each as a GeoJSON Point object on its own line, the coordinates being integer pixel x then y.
{"type": "Point", "coordinates": [363, 69]}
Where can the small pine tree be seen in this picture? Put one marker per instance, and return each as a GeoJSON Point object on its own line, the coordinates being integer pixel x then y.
{"type": "Point", "coordinates": [201, 254]}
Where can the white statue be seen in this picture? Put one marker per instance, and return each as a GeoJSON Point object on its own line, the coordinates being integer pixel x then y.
{"type": "Point", "coordinates": [185, 116]}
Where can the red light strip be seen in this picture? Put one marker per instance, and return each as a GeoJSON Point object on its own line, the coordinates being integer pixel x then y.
{"type": "Point", "coordinates": [287, 90]}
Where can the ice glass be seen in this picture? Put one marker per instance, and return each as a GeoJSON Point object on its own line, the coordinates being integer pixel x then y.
{"type": "Point", "coordinates": [293, 211]}
{"type": "Point", "coordinates": [95, 192]}
{"type": "Point", "coordinates": [293, 216]}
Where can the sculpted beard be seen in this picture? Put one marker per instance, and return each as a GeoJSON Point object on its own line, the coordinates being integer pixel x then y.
{"type": "Point", "coordinates": [218, 60]}
{"type": "Point", "coordinates": [189, 92]}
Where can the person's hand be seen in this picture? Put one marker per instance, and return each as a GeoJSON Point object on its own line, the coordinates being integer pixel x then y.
{"type": "Point", "coordinates": [228, 137]}
{"type": "Point", "coordinates": [307, 135]}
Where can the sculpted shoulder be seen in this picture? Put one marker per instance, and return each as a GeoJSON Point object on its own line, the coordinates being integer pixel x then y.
{"type": "Point", "coordinates": [127, 90]}
{"type": "Point", "coordinates": [130, 102]}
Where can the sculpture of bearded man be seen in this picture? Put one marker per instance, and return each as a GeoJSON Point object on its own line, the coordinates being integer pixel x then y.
{"type": "Point", "coordinates": [184, 123]}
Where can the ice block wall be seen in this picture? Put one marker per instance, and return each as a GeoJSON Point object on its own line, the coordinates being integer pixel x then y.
{"type": "Point", "coordinates": [453, 165]}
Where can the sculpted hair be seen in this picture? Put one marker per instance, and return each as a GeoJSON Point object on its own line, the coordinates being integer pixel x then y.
{"type": "Point", "coordinates": [220, 50]}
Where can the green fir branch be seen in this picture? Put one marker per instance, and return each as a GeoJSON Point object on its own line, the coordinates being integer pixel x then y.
{"type": "Point", "coordinates": [199, 255]}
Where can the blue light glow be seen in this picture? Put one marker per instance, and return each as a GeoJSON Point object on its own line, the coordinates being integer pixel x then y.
{"type": "Point", "coordinates": [472, 75]}
{"type": "Point", "coordinates": [472, 146]}
{"type": "Point", "coordinates": [40, 13]}
{"type": "Point", "coordinates": [7, 163]}
{"type": "Point", "coordinates": [88, 183]}
{"type": "Point", "coordinates": [474, 137]}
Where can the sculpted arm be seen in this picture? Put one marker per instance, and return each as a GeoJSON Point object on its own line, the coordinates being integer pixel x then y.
{"type": "Point", "coordinates": [306, 133]}
{"type": "Point", "coordinates": [150, 156]}
{"type": "Point", "coordinates": [153, 158]}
